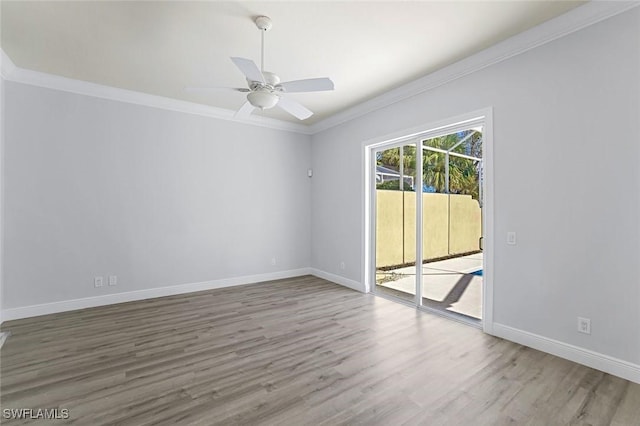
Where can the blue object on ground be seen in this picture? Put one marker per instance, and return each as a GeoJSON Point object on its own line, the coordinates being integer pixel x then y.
{"type": "Point", "coordinates": [478, 272]}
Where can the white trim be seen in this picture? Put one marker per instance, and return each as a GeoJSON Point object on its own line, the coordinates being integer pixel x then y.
{"type": "Point", "coordinates": [427, 130]}
{"type": "Point", "coordinates": [608, 364]}
{"type": "Point", "coordinates": [50, 81]}
{"type": "Point", "coordinates": [7, 67]}
{"type": "Point", "coordinates": [366, 201]}
{"type": "Point", "coordinates": [419, 218]}
{"type": "Point", "coordinates": [354, 285]}
{"type": "Point", "coordinates": [488, 233]}
{"type": "Point", "coordinates": [574, 20]}
{"type": "Point", "coordinates": [130, 296]}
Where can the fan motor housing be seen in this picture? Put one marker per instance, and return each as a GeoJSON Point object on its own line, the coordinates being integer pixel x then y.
{"type": "Point", "coordinates": [270, 78]}
{"type": "Point", "coordinates": [263, 23]}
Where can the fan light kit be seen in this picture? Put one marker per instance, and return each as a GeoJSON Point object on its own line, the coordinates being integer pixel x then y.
{"type": "Point", "coordinates": [265, 89]}
{"type": "Point", "coordinates": [262, 98]}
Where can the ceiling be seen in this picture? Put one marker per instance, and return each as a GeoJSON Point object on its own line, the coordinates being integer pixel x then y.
{"type": "Point", "coordinates": [365, 47]}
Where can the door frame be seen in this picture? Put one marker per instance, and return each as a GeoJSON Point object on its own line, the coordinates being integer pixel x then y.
{"type": "Point", "coordinates": [417, 135]}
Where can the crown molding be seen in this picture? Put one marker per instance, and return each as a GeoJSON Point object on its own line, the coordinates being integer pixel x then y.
{"type": "Point", "coordinates": [574, 20]}
{"type": "Point", "coordinates": [11, 72]}
{"type": "Point", "coordinates": [553, 29]}
{"type": "Point", "coordinates": [7, 67]}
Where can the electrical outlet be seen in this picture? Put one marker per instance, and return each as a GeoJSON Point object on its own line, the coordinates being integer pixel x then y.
{"type": "Point", "coordinates": [343, 266]}
{"type": "Point", "coordinates": [98, 282]}
{"type": "Point", "coordinates": [584, 325]}
{"type": "Point", "coordinates": [511, 238]}
{"type": "Point", "coordinates": [113, 280]}
{"type": "Point", "coordinates": [273, 261]}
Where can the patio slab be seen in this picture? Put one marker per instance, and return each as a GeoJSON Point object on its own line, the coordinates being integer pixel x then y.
{"type": "Point", "coordinates": [447, 284]}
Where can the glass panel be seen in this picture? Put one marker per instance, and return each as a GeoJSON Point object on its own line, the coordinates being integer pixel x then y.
{"type": "Point", "coordinates": [395, 222]}
{"type": "Point", "coordinates": [434, 172]}
{"type": "Point", "coordinates": [452, 224]}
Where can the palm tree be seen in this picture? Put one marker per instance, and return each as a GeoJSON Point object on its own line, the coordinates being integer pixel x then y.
{"type": "Point", "coordinates": [463, 173]}
{"type": "Point", "coordinates": [390, 158]}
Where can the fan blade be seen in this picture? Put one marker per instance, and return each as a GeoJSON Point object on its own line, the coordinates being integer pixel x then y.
{"type": "Point", "coordinates": [244, 111]}
{"type": "Point", "coordinates": [294, 108]}
{"type": "Point", "coordinates": [211, 89]}
{"type": "Point", "coordinates": [249, 69]}
{"type": "Point", "coordinates": [308, 85]}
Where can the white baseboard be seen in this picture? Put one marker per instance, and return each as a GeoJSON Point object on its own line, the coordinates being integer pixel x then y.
{"type": "Point", "coordinates": [130, 296]}
{"type": "Point", "coordinates": [3, 338]}
{"type": "Point", "coordinates": [608, 364]}
{"type": "Point", "coordinates": [354, 285]}
{"type": "Point", "coordinates": [611, 365]}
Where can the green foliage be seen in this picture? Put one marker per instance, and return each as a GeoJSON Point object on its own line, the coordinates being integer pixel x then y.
{"type": "Point", "coordinates": [463, 173]}
{"type": "Point", "coordinates": [393, 185]}
{"type": "Point", "coordinates": [391, 158]}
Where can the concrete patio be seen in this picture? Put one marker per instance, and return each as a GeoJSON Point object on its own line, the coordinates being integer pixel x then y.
{"type": "Point", "coordinates": [446, 284]}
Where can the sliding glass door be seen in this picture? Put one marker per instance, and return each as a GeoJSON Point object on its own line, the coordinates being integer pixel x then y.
{"type": "Point", "coordinates": [395, 212]}
{"type": "Point", "coordinates": [428, 221]}
{"type": "Point", "coordinates": [452, 224]}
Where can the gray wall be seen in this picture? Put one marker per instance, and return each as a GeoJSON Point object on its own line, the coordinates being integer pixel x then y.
{"type": "Point", "coordinates": [158, 198]}
{"type": "Point", "coordinates": [566, 132]}
{"type": "Point", "coordinates": [1, 193]}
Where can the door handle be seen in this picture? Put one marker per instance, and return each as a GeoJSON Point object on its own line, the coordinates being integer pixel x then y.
{"type": "Point", "coordinates": [480, 242]}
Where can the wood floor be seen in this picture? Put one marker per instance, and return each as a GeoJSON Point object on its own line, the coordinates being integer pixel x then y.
{"type": "Point", "coordinates": [293, 352]}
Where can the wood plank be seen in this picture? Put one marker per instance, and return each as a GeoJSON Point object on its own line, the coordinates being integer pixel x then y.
{"type": "Point", "coordinates": [295, 351]}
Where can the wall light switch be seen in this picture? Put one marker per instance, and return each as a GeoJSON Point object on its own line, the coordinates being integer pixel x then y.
{"type": "Point", "coordinates": [98, 282]}
{"type": "Point", "coordinates": [511, 238]}
{"type": "Point", "coordinates": [113, 280]}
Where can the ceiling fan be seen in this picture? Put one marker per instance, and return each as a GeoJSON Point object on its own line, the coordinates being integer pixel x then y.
{"type": "Point", "coordinates": [265, 89]}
